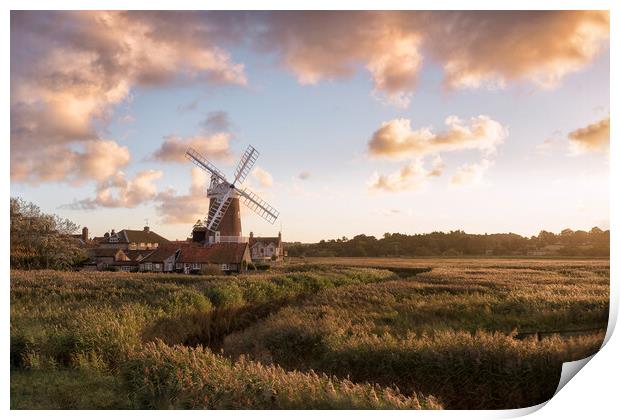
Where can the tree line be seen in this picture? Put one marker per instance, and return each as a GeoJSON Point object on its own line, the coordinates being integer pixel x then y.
{"type": "Point", "coordinates": [594, 243]}
{"type": "Point", "coordinates": [40, 240]}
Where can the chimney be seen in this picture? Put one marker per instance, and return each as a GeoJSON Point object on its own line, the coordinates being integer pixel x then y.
{"type": "Point", "coordinates": [146, 229]}
{"type": "Point", "coordinates": [112, 233]}
{"type": "Point", "coordinates": [85, 234]}
{"type": "Point", "coordinates": [280, 235]}
{"type": "Point", "coordinates": [251, 235]}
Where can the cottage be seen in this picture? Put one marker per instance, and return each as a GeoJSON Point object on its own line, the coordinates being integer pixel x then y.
{"type": "Point", "coordinates": [137, 254]}
{"type": "Point", "coordinates": [226, 256]}
{"type": "Point", "coordinates": [160, 260]}
{"type": "Point", "coordinates": [102, 258]}
{"type": "Point", "coordinates": [127, 239]}
{"type": "Point", "coordinates": [266, 248]}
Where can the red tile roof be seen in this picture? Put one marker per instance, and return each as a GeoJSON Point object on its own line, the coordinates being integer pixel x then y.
{"type": "Point", "coordinates": [159, 255]}
{"type": "Point", "coordinates": [221, 253]}
{"type": "Point", "coordinates": [103, 252]}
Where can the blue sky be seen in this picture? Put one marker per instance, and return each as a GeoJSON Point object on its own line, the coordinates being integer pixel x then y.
{"type": "Point", "coordinates": [532, 180]}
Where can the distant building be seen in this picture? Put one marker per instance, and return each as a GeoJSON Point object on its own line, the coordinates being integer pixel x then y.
{"type": "Point", "coordinates": [227, 256]}
{"type": "Point", "coordinates": [266, 248]}
{"type": "Point", "coordinates": [160, 260]}
{"type": "Point", "coordinates": [103, 258]}
{"type": "Point", "coordinates": [131, 239]}
{"type": "Point", "coordinates": [81, 239]}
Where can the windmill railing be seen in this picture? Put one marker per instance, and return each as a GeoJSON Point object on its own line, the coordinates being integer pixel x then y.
{"type": "Point", "coordinates": [228, 239]}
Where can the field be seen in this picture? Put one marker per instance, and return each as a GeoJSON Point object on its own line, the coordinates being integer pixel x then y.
{"type": "Point", "coordinates": [319, 333]}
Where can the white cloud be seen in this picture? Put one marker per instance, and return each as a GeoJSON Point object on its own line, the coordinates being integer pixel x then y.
{"type": "Point", "coordinates": [395, 139]}
{"type": "Point", "coordinates": [118, 191]}
{"type": "Point", "coordinates": [186, 208]}
{"type": "Point", "coordinates": [470, 174]}
{"type": "Point", "coordinates": [215, 146]}
{"type": "Point", "coordinates": [263, 177]}
{"type": "Point", "coordinates": [592, 138]}
{"type": "Point", "coordinates": [69, 70]}
{"type": "Point", "coordinates": [411, 177]}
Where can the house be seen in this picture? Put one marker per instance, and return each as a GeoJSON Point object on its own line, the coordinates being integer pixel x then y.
{"type": "Point", "coordinates": [266, 248]}
{"type": "Point", "coordinates": [102, 258]}
{"type": "Point", "coordinates": [81, 239]}
{"type": "Point", "coordinates": [226, 256]}
{"type": "Point", "coordinates": [124, 265]}
{"type": "Point", "coordinates": [127, 239]}
{"type": "Point", "coordinates": [137, 254]}
{"type": "Point", "coordinates": [160, 260]}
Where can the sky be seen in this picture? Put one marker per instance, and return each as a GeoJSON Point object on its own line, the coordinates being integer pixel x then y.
{"type": "Point", "coordinates": [366, 122]}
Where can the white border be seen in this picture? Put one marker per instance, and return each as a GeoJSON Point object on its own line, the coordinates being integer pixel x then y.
{"type": "Point", "coordinates": [592, 394]}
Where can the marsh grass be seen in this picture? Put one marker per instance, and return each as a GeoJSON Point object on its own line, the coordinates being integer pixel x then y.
{"type": "Point", "coordinates": [451, 332]}
{"type": "Point", "coordinates": [291, 336]}
{"type": "Point", "coordinates": [161, 376]}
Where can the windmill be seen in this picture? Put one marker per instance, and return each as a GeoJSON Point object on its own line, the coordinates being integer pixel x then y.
{"type": "Point", "coordinates": [223, 222]}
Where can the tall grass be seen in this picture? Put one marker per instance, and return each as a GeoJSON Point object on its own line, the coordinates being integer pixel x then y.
{"type": "Point", "coordinates": [160, 376]}
{"type": "Point", "coordinates": [291, 336]}
{"type": "Point", "coordinates": [450, 332]}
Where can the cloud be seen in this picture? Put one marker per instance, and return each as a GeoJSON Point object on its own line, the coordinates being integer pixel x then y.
{"type": "Point", "coordinates": [411, 177]}
{"type": "Point", "coordinates": [396, 140]}
{"type": "Point", "coordinates": [216, 146]}
{"type": "Point", "coordinates": [118, 191]}
{"type": "Point", "coordinates": [592, 138]}
{"type": "Point", "coordinates": [474, 48]}
{"type": "Point", "coordinates": [179, 209]}
{"type": "Point", "coordinates": [345, 41]}
{"type": "Point", "coordinates": [69, 69]}
{"type": "Point", "coordinates": [263, 177]}
{"type": "Point", "coordinates": [470, 174]}
{"type": "Point", "coordinates": [98, 160]}
{"type": "Point", "coordinates": [304, 175]}
{"type": "Point", "coordinates": [216, 121]}
{"type": "Point", "coordinates": [437, 167]}
{"type": "Point", "coordinates": [494, 48]}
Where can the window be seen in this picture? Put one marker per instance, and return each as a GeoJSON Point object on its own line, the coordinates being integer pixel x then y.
{"type": "Point", "coordinates": [148, 266]}
{"type": "Point", "coordinates": [224, 267]}
{"type": "Point", "coordinates": [126, 268]}
{"type": "Point", "coordinates": [157, 266]}
{"type": "Point", "coordinates": [142, 245]}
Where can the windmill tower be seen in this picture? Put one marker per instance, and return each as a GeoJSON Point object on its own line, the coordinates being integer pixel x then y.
{"type": "Point", "coordinates": [223, 222]}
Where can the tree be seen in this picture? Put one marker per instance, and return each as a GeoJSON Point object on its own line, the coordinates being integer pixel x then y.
{"type": "Point", "coordinates": [40, 240]}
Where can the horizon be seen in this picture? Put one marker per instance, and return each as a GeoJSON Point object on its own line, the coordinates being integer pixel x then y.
{"type": "Point", "coordinates": [385, 130]}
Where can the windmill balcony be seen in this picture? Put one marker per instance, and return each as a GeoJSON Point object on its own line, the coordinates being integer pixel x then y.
{"type": "Point", "coordinates": [234, 239]}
